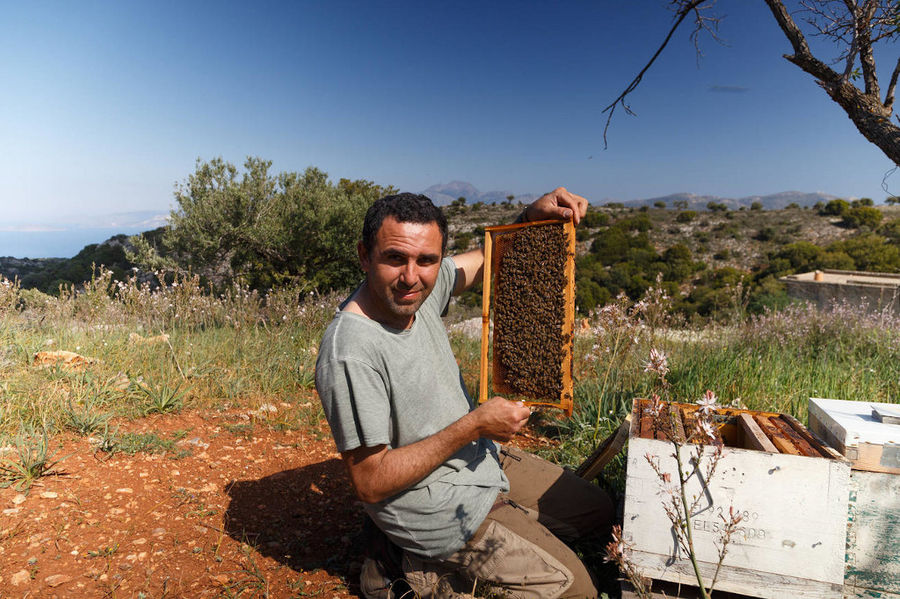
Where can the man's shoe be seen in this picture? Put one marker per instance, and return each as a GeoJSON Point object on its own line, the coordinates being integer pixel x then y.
{"type": "Point", "coordinates": [373, 582]}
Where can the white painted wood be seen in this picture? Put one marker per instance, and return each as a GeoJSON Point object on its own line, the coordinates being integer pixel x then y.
{"type": "Point", "coordinates": [886, 415]}
{"type": "Point", "coordinates": [852, 421]}
{"type": "Point", "coordinates": [873, 536]}
{"type": "Point", "coordinates": [852, 428]}
{"type": "Point", "coordinates": [742, 581]}
{"type": "Point", "coordinates": [791, 541]}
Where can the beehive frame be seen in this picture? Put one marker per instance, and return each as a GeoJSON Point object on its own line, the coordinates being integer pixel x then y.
{"type": "Point", "coordinates": [496, 240]}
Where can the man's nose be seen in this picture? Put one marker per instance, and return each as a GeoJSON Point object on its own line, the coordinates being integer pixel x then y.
{"type": "Point", "coordinates": [409, 275]}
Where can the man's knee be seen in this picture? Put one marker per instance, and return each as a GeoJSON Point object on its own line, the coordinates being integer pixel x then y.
{"type": "Point", "coordinates": [525, 566]}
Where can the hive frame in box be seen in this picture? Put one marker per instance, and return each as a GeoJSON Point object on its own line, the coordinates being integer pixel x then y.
{"type": "Point", "coordinates": [794, 493]}
{"type": "Point", "coordinates": [492, 257]}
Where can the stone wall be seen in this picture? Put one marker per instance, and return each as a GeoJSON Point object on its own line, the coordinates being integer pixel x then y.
{"type": "Point", "coordinates": [824, 288]}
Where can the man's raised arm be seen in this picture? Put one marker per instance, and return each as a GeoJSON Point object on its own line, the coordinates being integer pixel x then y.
{"type": "Point", "coordinates": [558, 204]}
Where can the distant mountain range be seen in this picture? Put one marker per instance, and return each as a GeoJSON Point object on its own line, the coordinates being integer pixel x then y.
{"type": "Point", "coordinates": [444, 194]}
{"type": "Point", "coordinates": [775, 201]}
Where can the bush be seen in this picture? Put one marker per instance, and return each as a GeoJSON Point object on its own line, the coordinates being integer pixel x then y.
{"type": "Point", "coordinates": [836, 208]}
{"type": "Point", "coordinates": [462, 240]}
{"type": "Point", "coordinates": [686, 216]}
{"type": "Point", "coordinates": [765, 234]}
{"type": "Point", "coordinates": [594, 219]}
{"type": "Point", "coordinates": [862, 216]}
{"type": "Point", "coordinates": [869, 252]}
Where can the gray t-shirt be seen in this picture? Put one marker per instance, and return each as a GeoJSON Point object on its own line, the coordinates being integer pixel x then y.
{"type": "Point", "coordinates": [380, 385]}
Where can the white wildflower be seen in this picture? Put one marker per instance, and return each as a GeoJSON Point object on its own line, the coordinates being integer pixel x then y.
{"type": "Point", "coordinates": [707, 403]}
{"type": "Point", "coordinates": [658, 363]}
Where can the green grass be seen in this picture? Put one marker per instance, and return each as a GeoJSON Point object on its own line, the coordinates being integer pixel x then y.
{"type": "Point", "coordinates": [33, 459]}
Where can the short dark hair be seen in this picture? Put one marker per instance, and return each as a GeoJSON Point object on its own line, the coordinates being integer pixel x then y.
{"type": "Point", "coordinates": [406, 208]}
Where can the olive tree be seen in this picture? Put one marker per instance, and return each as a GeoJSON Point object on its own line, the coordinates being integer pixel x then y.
{"type": "Point", "coordinates": [263, 228]}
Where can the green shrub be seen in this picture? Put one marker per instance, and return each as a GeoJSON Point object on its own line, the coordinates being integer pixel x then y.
{"type": "Point", "coordinates": [594, 219]}
{"type": "Point", "coordinates": [836, 208]}
{"type": "Point", "coordinates": [765, 234]}
{"type": "Point", "coordinates": [686, 216]}
{"type": "Point", "coordinates": [462, 240]}
{"type": "Point", "coordinates": [862, 216]}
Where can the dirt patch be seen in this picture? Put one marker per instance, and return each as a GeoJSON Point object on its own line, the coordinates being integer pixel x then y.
{"type": "Point", "coordinates": [235, 509]}
{"type": "Point", "coordinates": [250, 511]}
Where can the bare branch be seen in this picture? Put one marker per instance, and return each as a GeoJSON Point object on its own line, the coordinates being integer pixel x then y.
{"type": "Point", "coordinates": [802, 56]}
{"type": "Point", "coordinates": [889, 96]}
{"type": "Point", "coordinates": [679, 17]}
{"type": "Point", "coordinates": [864, 43]}
{"type": "Point", "coordinates": [854, 44]}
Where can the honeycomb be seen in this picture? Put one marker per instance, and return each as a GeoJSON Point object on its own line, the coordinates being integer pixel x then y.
{"type": "Point", "coordinates": [529, 310]}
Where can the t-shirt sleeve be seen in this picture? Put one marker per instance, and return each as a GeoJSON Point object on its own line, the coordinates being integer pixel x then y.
{"type": "Point", "coordinates": [443, 287]}
{"type": "Point", "coordinates": [355, 402]}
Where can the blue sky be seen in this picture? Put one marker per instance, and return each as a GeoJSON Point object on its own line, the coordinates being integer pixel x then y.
{"type": "Point", "coordinates": [106, 105]}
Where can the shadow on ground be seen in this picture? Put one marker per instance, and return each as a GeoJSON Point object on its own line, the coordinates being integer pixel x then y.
{"type": "Point", "coordinates": [305, 518]}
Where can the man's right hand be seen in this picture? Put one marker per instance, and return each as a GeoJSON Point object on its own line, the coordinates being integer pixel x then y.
{"type": "Point", "coordinates": [499, 419]}
{"type": "Point", "coordinates": [379, 472]}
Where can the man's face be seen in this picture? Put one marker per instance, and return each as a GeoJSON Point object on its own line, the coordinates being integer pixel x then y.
{"type": "Point", "coordinates": [401, 269]}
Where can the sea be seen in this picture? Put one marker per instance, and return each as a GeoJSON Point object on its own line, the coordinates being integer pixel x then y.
{"type": "Point", "coordinates": [56, 243]}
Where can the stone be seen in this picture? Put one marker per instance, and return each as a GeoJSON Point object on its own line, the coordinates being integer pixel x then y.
{"type": "Point", "coordinates": [20, 577]}
{"type": "Point", "coordinates": [49, 495]}
{"type": "Point", "coordinates": [57, 579]}
{"type": "Point", "coordinates": [19, 499]}
{"type": "Point", "coordinates": [64, 359]}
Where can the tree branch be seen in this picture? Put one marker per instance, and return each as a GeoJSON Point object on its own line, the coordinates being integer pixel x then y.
{"type": "Point", "coordinates": [892, 85]}
{"type": "Point", "coordinates": [679, 17]}
{"type": "Point", "coordinates": [862, 34]}
{"type": "Point", "coordinates": [854, 43]}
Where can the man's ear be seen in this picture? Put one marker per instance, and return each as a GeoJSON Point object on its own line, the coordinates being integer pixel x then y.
{"type": "Point", "coordinates": [363, 256]}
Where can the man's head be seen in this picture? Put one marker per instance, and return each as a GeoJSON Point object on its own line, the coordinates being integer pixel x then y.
{"type": "Point", "coordinates": [404, 239]}
{"type": "Point", "coordinates": [405, 208]}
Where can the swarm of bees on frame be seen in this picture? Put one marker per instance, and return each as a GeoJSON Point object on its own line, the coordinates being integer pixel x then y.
{"type": "Point", "coordinates": [529, 310]}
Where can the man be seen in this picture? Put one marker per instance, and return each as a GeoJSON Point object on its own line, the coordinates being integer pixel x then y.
{"type": "Point", "coordinates": [424, 462]}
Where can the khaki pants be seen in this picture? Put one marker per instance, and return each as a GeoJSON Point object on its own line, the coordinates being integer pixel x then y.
{"type": "Point", "coordinates": [517, 549]}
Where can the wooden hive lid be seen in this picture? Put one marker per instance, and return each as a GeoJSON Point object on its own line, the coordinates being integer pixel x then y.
{"type": "Point", "coordinates": [853, 428]}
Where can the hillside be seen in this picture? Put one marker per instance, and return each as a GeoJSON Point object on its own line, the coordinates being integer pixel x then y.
{"type": "Point", "coordinates": [699, 256]}
{"type": "Point", "coordinates": [738, 238]}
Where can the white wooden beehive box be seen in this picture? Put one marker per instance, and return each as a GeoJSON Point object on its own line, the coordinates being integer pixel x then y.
{"type": "Point", "coordinates": [790, 488]}
{"type": "Point", "coordinates": [873, 528]}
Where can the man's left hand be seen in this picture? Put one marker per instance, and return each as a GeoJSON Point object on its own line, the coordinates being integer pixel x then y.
{"type": "Point", "coordinates": [558, 204]}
